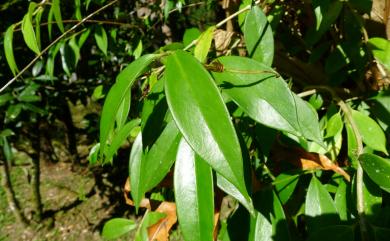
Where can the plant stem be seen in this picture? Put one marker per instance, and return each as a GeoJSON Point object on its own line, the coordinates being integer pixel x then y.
{"type": "Point", "coordinates": [54, 42]}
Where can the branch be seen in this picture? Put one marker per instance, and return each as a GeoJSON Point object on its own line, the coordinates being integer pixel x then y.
{"type": "Point", "coordinates": [54, 42]}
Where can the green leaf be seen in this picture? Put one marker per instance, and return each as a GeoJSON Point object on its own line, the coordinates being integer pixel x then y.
{"type": "Point", "coordinates": [149, 219]}
{"type": "Point", "coordinates": [57, 14]}
{"type": "Point", "coordinates": [135, 162]}
{"type": "Point", "coordinates": [120, 137]}
{"type": "Point", "coordinates": [190, 35]}
{"type": "Point", "coordinates": [123, 111]}
{"type": "Point", "coordinates": [201, 116]}
{"type": "Point", "coordinates": [251, 85]}
{"type": "Point", "coordinates": [319, 207]}
{"type": "Point", "coordinates": [261, 229]}
{"type": "Point", "coordinates": [5, 98]}
{"type": "Point", "coordinates": [285, 184]}
{"type": "Point", "coordinates": [193, 183]}
{"type": "Point", "coordinates": [334, 233]}
{"type": "Point", "coordinates": [380, 47]}
{"type": "Point", "coordinates": [377, 168]}
{"type": "Point", "coordinates": [38, 17]}
{"type": "Point", "coordinates": [258, 36]}
{"type": "Point", "coordinates": [101, 39]}
{"type": "Point", "coordinates": [203, 45]}
{"type": "Point", "coordinates": [116, 227]}
{"type": "Point", "coordinates": [230, 189]}
{"type": "Point", "coordinates": [334, 126]}
{"type": "Point", "coordinates": [77, 4]}
{"type": "Point", "coordinates": [372, 199]}
{"type": "Point", "coordinates": [138, 50]}
{"type": "Point", "coordinates": [13, 112]}
{"type": "Point", "coordinates": [28, 29]}
{"type": "Point", "coordinates": [9, 50]}
{"type": "Point", "coordinates": [117, 93]}
{"type": "Point", "coordinates": [94, 154]}
{"type": "Point", "coordinates": [372, 134]}
{"type": "Point", "coordinates": [50, 62]}
{"type": "Point", "coordinates": [151, 169]}
{"type": "Point", "coordinates": [83, 37]}
{"type": "Point", "coordinates": [341, 202]}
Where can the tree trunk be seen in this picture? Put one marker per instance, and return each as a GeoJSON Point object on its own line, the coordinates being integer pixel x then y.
{"type": "Point", "coordinates": [36, 172]}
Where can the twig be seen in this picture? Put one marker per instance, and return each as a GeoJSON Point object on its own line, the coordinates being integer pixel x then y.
{"type": "Point", "coordinates": [54, 42]}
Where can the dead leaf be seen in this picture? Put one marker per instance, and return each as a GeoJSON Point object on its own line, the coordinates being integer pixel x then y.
{"type": "Point", "coordinates": [309, 160]}
{"type": "Point", "coordinates": [145, 203]}
{"type": "Point", "coordinates": [160, 230]}
{"type": "Point", "coordinates": [222, 39]}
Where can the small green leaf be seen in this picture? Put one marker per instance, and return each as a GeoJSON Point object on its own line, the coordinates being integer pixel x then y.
{"type": "Point", "coordinates": [13, 112]}
{"type": "Point", "coordinates": [101, 39]}
{"type": "Point", "coordinates": [377, 168]}
{"type": "Point", "coordinates": [117, 93]}
{"type": "Point", "coordinates": [5, 98]}
{"type": "Point", "coordinates": [149, 219]}
{"type": "Point", "coordinates": [38, 17]}
{"type": "Point", "coordinates": [28, 30]}
{"type": "Point", "coordinates": [334, 126]}
{"type": "Point", "coordinates": [319, 207]}
{"type": "Point", "coordinates": [77, 13]}
{"type": "Point", "coordinates": [334, 233]}
{"type": "Point", "coordinates": [83, 37]}
{"type": "Point", "coordinates": [203, 45]}
{"type": "Point", "coordinates": [259, 37]}
{"type": "Point", "coordinates": [201, 116]}
{"type": "Point", "coordinates": [57, 14]}
{"type": "Point", "coordinates": [116, 227]}
{"type": "Point", "coordinates": [380, 47]}
{"type": "Point", "coordinates": [120, 137]}
{"type": "Point", "coordinates": [94, 154]}
{"type": "Point", "coordinates": [372, 134]}
{"type": "Point", "coordinates": [50, 62]}
{"type": "Point", "coordinates": [138, 50]}
{"type": "Point", "coordinates": [261, 229]}
{"type": "Point", "coordinates": [193, 183]}
{"type": "Point", "coordinates": [9, 50]}
{"type": "Point", "coordinates": [285, 185]}
{"type": "Point", "coordinates": [190, 35]}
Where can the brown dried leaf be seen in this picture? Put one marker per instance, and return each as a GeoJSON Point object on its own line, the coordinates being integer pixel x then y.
{"type": "Point", "coordinates": [160, 230]}
{"type": "Point", "coordinates": [222, 39]}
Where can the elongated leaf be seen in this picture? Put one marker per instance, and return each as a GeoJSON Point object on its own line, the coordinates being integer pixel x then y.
{"type": "Point", "coordinates": [203, 45]}
{"type": "Point", "coordinates": [341, 202]}
{"type": "Point", "coordinates": [252, 86]}
{"type": "Point", "coordinates": [77, 14]}
{"type": "Point", "coordinates": [116, 227]}
{"type": "Point", "coordinates": [123, 111]}
{"type": "Point", "coordinates": [117, 93]}
{"type": "Point", "coordinates": [50, 62]}
{"type": "Point", "coordinates": [372, 199]}
{"type": "Point", "coordinates": [135, 161]}
{"type": "Point", "coordinates": [230, 189]}
{"type": "Point", "coordinates": [154, 166]}
{"type": "Point", "coordinates": [334, 233]}
{"type": "Point", "coordinates": [319, 207]}
{"type": "Point", "coordinates": [38, 17]}
{"type": "Point", "coordinates": [9, 50]}
{"type": "Point", "coordinates": [203, 119]}
{"type": "Point", "coordinates": [120, 137]}
{"type": "Point", "coordinates": [193, 183]}
{"type": "Point", "coordinates": [372, 134]}
{"type": "Point", "coordinates": [285, 185]}
{"type": "Point", "coordinates": [258, 36]}
{"type": "Point", "coordinates": [334, 126]}
{"type": "Point", "coordinates": [57, 14]}
{"type": "Point", "coordinates": [101, 39]}
{"type": "Point", "coordinates": [149, 219]}
{"type": "Point", "coordinates": [377, 168]}
{"type": "Point", "coordinates": [261, 229]}
{"type": "Point", "coordinates": [380, 47]}
{"type": "Point", "coordinates": [190, 35]}
{"type": "Point", "coordinates": [83, 37]}
{"type": "Point", "coordinates": [28, 29]}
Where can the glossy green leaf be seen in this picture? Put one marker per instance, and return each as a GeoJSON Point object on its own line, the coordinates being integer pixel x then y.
{"type": "Point", "coordinates": [101, 38]}
{"type": "Point", "coordinates": [261, 229]}
{"type": "Point", "coordinates": [38, 17]}
{"type": "Point", "coordinates": [190, 35]}
{"type": "Point", "coordinates": [94, 154]}
{"type": "Point", "coordinates": [77, 4]}
{"type": "Point", "coordinates": [380, 47]}
{"type": "Point", "coordinates": [120, 136]}
{"type": "Point", "coordinates": [50, 22]}
{"type": "Point", "coordinates": [200, 114]}
{"type": "Point", "coordinates": [251, 85]}
{"type": "Point", "coordinates": [319, 206]}
{"type": "Point", "coordinates": [117, 93]}
{"type": "Point", "coordinates": [341, 202]}
{"type": "Point", "coordinates": [9, 50]}
{"type": "Point", "coordinates": [334, 125]}
{"type": "Point", "coordinates": [230, 189]}
{"type": "Point", "coordinates": [194, 195]}
{"type": "Point", "coordinates": [334, 233]}
{"type": "Point", "coordinates": [83, 37]}
{"type": "Point", "coordinates": [75, 48]}
{"type": "Point", "coordinates": [285, 184]}
{"type": "Point", "coordinates": [259, 37]}
{"type": "Point", "coordinates": [116, 227]}
{"type": "Point", "coordinates": [123, 111]}
{"type": "Point", "coordinates": [377, 168]}
{"type": "Point", "coordinates": [372, 134]}
{"type": "Point", "coordinates": [57, 14]}
{"type": "Point", "coordinates": [135, 162]}
{"type": "Point", "coordinates": [28, 30]}
{"type": "Point", "coordinates": [203, 44]}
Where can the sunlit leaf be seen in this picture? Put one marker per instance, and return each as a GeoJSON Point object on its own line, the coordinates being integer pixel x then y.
{"type": "Point", "coordinates": [135, 162]}
{"type": "Point", "coordinates": [9, 50]}
{"type": "Point", "coordinates": [334, 125]}
{"type": "Point", "coordinates": [377, 168]}
{"type": "Point", "coordinates": [116, 227]}
{"type": "Point", "coordinates": [285, 184]}
{"type": "Point", "coordinates": [28, 30]}
{"type": "Point", "coordinates": [193, 183]}
{"type": "Point", "coordinates": [341, 202]}
{"type": "Point", "coordinates": [123, 111]}
{"type": "Point", "coordinates": [101, 38]}
{"type": "Point", "coordinates": [380, 47]}
{"type": "Point", "coordinates": [261, 229]}
{"type": "Point", "coordinates": [203, 119]}
{"type": "Point", "coordinates": [372, 134]}
{"type": "Point", "coordinates": [57, 14]}
{"type": "Point", "coordinates": [203, 45]}
{"type": "Point", "coordinates": [190, 35]}
{"type": "Point", "coordinates": [149, 219]}
{"type": "Point", "coordinates": [259, 37]}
